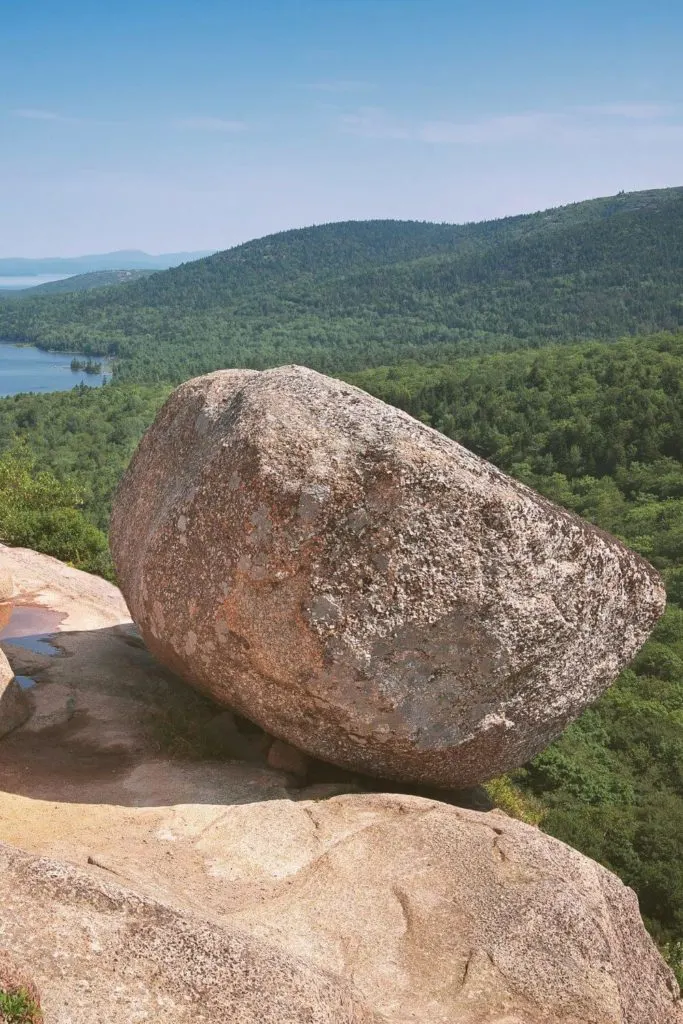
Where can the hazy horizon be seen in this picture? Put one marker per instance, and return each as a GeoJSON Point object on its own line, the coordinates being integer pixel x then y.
{"type": "Point", "coordinates": [171, 127]}
{"type": "Point", "coordinates": [125, 251]}
{"type": "Point", "coordinates": [201, 253]}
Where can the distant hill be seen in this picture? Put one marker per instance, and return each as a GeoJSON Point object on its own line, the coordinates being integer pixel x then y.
{"type": "Point", "coordinates": [346, 296]}
{"type": "Point", "coordinates": [84, 282]}
{"type": "Point", "coordinates": [125, 259]}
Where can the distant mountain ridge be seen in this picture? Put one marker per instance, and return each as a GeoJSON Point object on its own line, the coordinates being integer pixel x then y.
{"type": "Point", "coordinates": [84, 282]}
{"type": "Point", "coordinates": [124, 259]}
{"type": "Point", "coordinates": [345, 296]}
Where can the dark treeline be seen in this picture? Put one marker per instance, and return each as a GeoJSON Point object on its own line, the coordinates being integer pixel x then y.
{"type": "Point", "coordinates": [91, 366]}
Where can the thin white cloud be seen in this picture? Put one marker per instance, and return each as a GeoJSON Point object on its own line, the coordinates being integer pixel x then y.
{"type": "Point", "coordinates": [199, 123]}
{"type": "Point", "coordinates": [375, 123]}
{"type": "Point", "coordinates": [210, 124]}
{"type": "Point", "coordinates": [660, 132]}
{"type": "Point", "coordinates": [568, 126]}
{"type": "Point", "coordinates": [633, 111]}
{"type": "Point", "coordinates": [31, 114]}
{"type": "Point", "coordinates": [53, 117]}
{"type": "Point", "coordinates": [494, 129]}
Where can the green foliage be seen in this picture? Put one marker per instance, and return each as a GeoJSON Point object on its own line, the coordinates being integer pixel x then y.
{"type": "Point", "coordinates": [19, 1008]}
{"type": "Point", "coordinates": [503, 793]}
{"type": "Point", "coordinates": [85, 436]}
{"type": "Point", "coordinates": [40, 512]}
{"type": "Point", "coordinates": [342, 297]}
{"type": "Point", "coordinates": [673, 954]}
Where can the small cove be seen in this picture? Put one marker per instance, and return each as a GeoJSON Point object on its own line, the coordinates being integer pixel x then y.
{"type": "Point", "coordinates": [27, 369]}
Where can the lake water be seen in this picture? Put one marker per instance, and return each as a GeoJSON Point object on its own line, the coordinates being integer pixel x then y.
{"type": "Point", "coordinates": [29, 280]}
{"type": "Point", "coordinates": [31, 369]}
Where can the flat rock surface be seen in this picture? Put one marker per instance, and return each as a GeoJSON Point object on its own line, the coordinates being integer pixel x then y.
{"type": "Point", "coordinates": [100, 953]}
{"type": "Point", "coordinates": [363, 587]}
{"type": "Point", "coordinates": [398, 906]}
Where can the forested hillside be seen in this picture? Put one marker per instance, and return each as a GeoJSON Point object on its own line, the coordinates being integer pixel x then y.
{"type": "Point", "coordinates": [342, 297]}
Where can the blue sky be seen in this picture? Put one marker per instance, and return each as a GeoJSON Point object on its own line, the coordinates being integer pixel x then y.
{"type": "Point", "coordinates": [176, 125]}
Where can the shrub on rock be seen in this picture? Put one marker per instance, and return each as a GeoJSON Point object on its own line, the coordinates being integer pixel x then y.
{"type": "Point", "coordinates": [19, 999]}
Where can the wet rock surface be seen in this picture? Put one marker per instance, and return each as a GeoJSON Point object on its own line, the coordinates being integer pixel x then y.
{"type": "Point", "coordinates": [363, 587]}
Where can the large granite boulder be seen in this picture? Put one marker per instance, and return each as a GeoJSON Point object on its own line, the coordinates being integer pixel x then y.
{"type": "Point", "coordinates": [363, 587]}
{"type": "Point", "coordinates": [255, 896]}
{"type": "Point", "coordinates": [15, 707]}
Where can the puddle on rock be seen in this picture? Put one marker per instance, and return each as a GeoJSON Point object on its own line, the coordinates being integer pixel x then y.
{"type": "Point", "coordinates": [25, 682]}
{"type": "Point", "coordinates": [31, 627]}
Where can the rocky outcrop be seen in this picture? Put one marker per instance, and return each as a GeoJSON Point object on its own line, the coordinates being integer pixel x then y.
{"type": "Point", "coordinates": [466, 917]}
{"type": "Point", "coordinates": [437, 914]}
{"type": "Point", "coordinates": [76, 600]}
{"type": "Point", "coordinates": [401, 907]}
{"type": "Point", "coordinates": [15, 707]}
{"type": "Point", "coordinates": [102, 953]}
{"type": "Point", "coordinates": [362, 586]}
